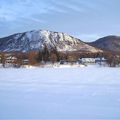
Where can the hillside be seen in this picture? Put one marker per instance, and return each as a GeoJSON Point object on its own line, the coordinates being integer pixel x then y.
{"type": "Point", "coordinates": [109, 43]}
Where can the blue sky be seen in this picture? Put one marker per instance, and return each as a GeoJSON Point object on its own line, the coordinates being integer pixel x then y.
{"type": "Point", "coordinates": [86, 19]}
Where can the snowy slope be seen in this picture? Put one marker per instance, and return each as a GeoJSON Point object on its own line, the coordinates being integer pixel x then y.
{"type": "Point", "coordinates": [56, 94]}
{"type": "Point", "coordinates": [36, 40]}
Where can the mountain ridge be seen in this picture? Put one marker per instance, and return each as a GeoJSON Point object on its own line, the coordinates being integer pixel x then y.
{"type": "Point", "coordinates": [37, 39]}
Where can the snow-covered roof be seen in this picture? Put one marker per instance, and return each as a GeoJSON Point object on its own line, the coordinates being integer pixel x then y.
{"type": "Point", "coordinates": [11, 58]}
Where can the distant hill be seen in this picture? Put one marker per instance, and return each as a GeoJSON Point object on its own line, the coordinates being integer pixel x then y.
{"type": "Point", "coordinates": [109, 43]}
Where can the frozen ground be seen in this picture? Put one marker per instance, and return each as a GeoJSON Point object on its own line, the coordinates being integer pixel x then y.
{"type": "Point", "coordinates": [60, 93]}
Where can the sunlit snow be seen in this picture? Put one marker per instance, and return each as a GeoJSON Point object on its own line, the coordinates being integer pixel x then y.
{"type": "Point", "coordinates": [60, 93]}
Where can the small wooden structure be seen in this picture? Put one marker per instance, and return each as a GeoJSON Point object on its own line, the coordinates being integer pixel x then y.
{"type": "Point", "coordinates": [25, 62]}
{"type": "Point", "coordinates": [65, 62]}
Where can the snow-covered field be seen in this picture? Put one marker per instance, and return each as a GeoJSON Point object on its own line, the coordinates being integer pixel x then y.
{"type": "Point", "coordinates": [60, 93]}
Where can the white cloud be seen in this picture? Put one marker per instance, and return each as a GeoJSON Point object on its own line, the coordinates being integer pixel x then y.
{"type": "Point", "coordinates": [28, 8]}
{"type": "Point", "coordinates": [56, 9]}
{"type": "Point", "coordinates": [33, 19]}
{"type": "Point", "coordinates": [67, 5]}
{"type": "Point", "coordinates": [25, 9]}
{"type": "Point", "coordinates": [7, 14]}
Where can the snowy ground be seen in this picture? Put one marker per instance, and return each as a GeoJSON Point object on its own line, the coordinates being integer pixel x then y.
{"type": "Point", "coordinates": [60, 93]}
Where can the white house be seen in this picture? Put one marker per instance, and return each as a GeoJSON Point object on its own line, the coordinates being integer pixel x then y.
{"type": "Point", "coordinates": [92, 60]}
{"type": "Point", "coordinates": [87, 60]}
{"type": "Point", "coordinates": [10, 59]}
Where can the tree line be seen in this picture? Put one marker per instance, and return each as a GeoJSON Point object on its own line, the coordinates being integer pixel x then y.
{"type": "Point", "coordinates": [52, 55]}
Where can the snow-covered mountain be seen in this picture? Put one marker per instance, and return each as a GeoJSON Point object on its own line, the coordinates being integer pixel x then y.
{"type": "Point", "coordinates": [36, 40]}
